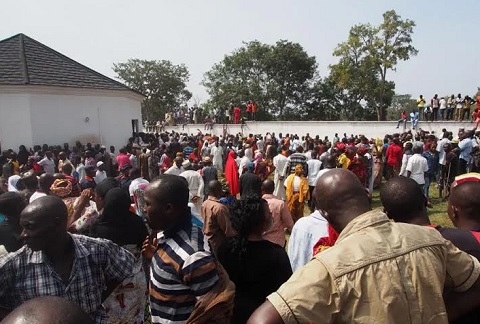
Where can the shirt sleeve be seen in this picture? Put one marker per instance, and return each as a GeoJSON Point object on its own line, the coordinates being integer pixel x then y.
{"type": "Point", "coordinates": [463, 269]}
{"type": "Point", "coordinates": [287, 220]}
{"type": "Point", "coordinates": [409, 164]}
{"type": "Point", "coordinates": [119, 264]}
{"type": "Point", "coordinates": [299, 301]}
{"type": "Point", "coordinates": [200, 273]}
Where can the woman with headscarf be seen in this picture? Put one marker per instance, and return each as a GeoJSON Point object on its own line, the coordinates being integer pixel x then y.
{"type": "Point", "coordinates": [11, 205]}
{"type": "Point", "coordinates": [62, 188]}
{"type": "Point", "coordinates": [12, 183]}
{"type": "Point", "coordinates": [118, 224]}
{"type": "Point", "coordinates": [297, 192]}
{"type": "Point", "coordinates": [231, 174]}
{"type": "Point", "coordinates": [377, 151]}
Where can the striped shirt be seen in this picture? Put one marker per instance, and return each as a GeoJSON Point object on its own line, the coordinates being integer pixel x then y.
{"type": "Point", "coordinates": [183, 270]}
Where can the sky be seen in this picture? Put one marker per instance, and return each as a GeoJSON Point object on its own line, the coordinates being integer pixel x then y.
{"type": "Point", "coordinates": [199, 33]}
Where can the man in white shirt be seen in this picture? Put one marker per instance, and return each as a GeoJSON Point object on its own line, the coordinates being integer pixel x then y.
{"type": "Point", "coordinates": [443, 108]}
{"type": "Point", "coordinates": [314, 166]}
{"type": "Point", "coordinates": [217, 156]}
{"type": "Point", "coordinates": [244, 160]}
{"type": "Point", "coordinates": [441, 143]}
{"type": "Point", "coordinates": [280, 162]}
{"type": "Point", "coordinates": [47, 163]}
{"type": "Point", "coordinates": [195, 186]}
{"type": "Point", "coordinates": [417, 166]}
{"type": "Point", "coordinates": [305, 234]}
{"type": "Point", "coordinates": [176, 168]}
{"type": "Point", "coordinates": [101, 174]}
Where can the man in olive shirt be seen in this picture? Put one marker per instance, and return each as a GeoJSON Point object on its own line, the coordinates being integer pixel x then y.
{"type": "Point", "coordinates": [377, 271]}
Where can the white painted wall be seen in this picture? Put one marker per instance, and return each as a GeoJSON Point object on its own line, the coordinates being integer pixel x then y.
{"type": "Point", "coordinates": [15, 126]}
{"type": "Point", "coordinates": [323, 128]}
{"type": "Point", "coordinates": [39, 117]}
{"type": "Point", "coordinates": [60, 119]}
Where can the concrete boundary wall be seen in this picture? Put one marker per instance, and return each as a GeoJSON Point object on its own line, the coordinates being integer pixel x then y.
{"type": "Point", "coordinates": [371, 129]}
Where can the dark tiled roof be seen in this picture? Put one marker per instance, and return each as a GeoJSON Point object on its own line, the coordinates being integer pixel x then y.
{"type": "Point", "coordinates": [23, 60]}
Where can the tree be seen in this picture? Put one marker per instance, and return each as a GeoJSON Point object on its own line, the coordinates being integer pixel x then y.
{"type": "Point", "coordinates": [400, 103]}
{"type": "Point", "coordinates": [162, 82]}
{"type": "Point", "coordinates": [368, 54]}
{"type": "Point", "coordinates": [274, 76]}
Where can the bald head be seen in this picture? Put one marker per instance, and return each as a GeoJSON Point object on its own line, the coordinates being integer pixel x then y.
{"type": "Point", "coordinates": [45, 181]}
{"type": "Point", "coordinates": [47, 310]}
{"type": "Point", "coordinates": [215, 188]}
{"type": "Point", "coordinates": [268, 186]}
{"type": "Point", "coordinates": [340, 197]}
{"type": "Point", "coordinates": [464, 199]}
{"type": "Point", "coordinates": [47, 207]}
{"type": "Point", "coordinates": [403, 201]}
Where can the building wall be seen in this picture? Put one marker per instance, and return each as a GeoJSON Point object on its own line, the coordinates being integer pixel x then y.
{"type": "Point", "coordinates": [323, 128]}
{"type": "Point", "coordinates": [15, 125]}
{"type": "Point", "coordinates": [49, 115]}
{"type": "Point", "coordinates": [60, 119]}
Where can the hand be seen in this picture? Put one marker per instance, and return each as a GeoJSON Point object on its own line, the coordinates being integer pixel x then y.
{"type": "Point", "coordinates": [148, 250]}
{"type": "Point", "coordinates": [195, 199]}
{"type": "Point", "coordinates": [84, 198]}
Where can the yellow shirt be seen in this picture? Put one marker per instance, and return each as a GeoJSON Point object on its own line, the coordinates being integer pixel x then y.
{"type": "Point", "coordinates": [378, 271]}
{"type": "Point", "coordinates": [421, 102]}
{"type": "Point", "coordinates": [344, 161]}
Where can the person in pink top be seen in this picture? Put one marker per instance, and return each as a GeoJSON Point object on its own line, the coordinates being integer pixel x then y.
{"type": "Point", "coordinates": [281, 217]}
{"type": "Point", "coordinates": [122, 158]}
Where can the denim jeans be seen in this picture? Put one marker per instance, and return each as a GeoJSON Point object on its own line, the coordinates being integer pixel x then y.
{"type": "Point", "coordinates": [429, 178]}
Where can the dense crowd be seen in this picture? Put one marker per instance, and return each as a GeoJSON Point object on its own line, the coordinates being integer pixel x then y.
{"type": "Point", "coordinates": [191, 228]}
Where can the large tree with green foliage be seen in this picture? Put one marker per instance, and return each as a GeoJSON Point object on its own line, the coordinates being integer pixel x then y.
{"type": "Point", "coordinates": [400, 103]}
{"type": "Point", "coordinates": [275, 76]}
{"type": "Point", "coordinates": [162, 82]}
{"type": "Point", "coordinates": [367, 56]}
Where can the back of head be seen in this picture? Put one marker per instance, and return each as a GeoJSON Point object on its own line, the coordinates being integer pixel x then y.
{"type": "Point", "coordinates": [45, 181]}
{"type": "Point", "coordinates": [464, 197]}
{"type": "Point", "coordinates": [268, 186]}
{"type": "Point", "coordinates": [47, 310]}
{"type": "Point", "coordinates": [104, 186]}
{"type": "Point", "coordinates": [12, 204]}
{"type": "Point", "coordinates": [172, 188]}
{"type": "Point", "coordinates": [403, 200]}
{"type": "Point", "coordinates": [340, 197]}
{"type": "Point", "coordinates": [215, 188]}
{"type": "Point", "coordinates": [117, 205]}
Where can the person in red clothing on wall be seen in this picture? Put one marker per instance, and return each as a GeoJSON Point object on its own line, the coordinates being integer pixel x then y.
{"type": "Point", "coordinates": [393, 158]}
{"type": "Point", "coordinates": [236, 115]}
{"type": "Point", "coordinates": [249, 110]}
{"type": "Point", "coordinates": [254, 110]}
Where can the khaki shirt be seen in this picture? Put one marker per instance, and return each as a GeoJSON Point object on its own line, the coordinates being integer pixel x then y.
{"type": "Point", "coordinates": [377, 272]}
{"type": "Point", "coordinates": [216, 225]}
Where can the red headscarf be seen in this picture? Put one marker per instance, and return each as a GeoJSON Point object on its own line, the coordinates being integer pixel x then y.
{"type": "Point", "coordinates": [231, 174]}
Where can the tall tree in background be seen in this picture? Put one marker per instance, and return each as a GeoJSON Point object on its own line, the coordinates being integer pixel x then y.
{"type": "Point", "coordinates": [162, 82]}
{"type": "Point", "coordinates": [367, 56]}
{"type": "Point", "coordinates": [400, 103]}
{"type": "Point", "coordinates": [276, 77]}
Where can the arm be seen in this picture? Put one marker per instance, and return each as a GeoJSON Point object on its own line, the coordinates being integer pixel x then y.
{"type": "Point", "coordinates": [286, 218]}
{"type": "Point", "coordinates": [265, 314]}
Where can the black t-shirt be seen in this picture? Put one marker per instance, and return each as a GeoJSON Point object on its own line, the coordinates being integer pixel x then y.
{"type": "Point", "coordinates": [467, 242]}
{"type": "Point", "coordinates": [263, 269]}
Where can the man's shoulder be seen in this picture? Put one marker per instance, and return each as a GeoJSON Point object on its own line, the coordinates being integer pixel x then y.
{"type": "Point", "coordinates": [14, 257]}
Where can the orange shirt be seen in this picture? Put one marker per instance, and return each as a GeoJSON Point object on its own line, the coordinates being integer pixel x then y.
{"type": "Point", "coordinates": [254, 107]}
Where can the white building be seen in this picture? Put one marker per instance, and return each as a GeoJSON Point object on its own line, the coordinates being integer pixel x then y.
{"type": "Point", "coordinates": [48, 98]}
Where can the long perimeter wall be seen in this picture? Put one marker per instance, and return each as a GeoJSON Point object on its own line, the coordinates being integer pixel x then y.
{"type": "Point", "coordinates": [370, 129]}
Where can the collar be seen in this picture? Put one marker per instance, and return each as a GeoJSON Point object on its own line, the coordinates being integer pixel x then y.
{"type": "Point", "coordinates": [213, 198]}
{"type": "Point", "coordinates": [363, 221]}
{"type": "Point", "coordinates": [317, 215]}
{"type": "Point", "coordinates": [39, 257]}
{"type": "Point", "coordinates": [269, 196]}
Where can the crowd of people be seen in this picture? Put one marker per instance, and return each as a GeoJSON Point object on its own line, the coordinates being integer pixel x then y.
{"type": "Point", "coordinates": [191, 228]}
{"type": "Point", "coordinates": [235, 114]}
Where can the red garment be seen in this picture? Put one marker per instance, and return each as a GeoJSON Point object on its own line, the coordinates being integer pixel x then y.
{"type": "Point", "coordinates": [394, 155]}
{"type": "Point", "coordinates": [231, 174]}
{"type": "Point", "coordinates": [236, 115]}
{"type": "Point", "coordinates": [249, 107]}
{"type": "Point", "coordinates": [166, 164]}
{"type": "Point", "coordinates": [326, 241]}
